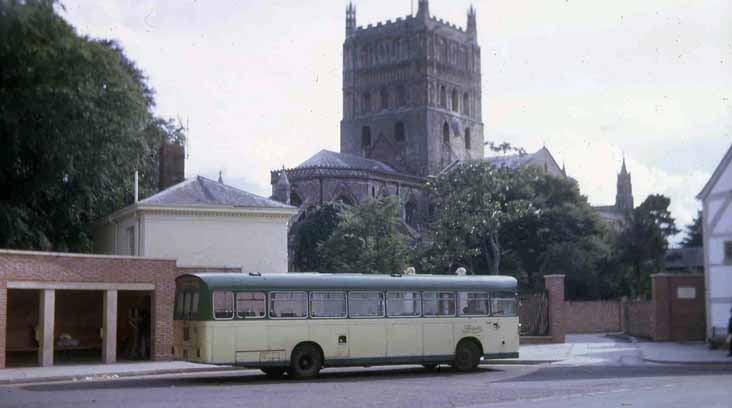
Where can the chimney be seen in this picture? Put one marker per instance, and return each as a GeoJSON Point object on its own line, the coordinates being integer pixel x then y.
{"type": "Point", "coordinates": [172, 161]}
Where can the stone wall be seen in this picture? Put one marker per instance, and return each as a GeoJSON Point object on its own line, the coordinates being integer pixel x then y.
{"type": "Point", "coordinates": [593, 316]}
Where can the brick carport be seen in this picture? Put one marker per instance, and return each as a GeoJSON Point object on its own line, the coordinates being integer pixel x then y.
{"type": "Point", "coordinates": [51, 272]}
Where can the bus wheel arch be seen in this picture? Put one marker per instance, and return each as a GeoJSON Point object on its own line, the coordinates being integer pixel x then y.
{"type": "Point", "coordinates": [468, 352]}
{"type": "Point", "coordinates": [306, 360]}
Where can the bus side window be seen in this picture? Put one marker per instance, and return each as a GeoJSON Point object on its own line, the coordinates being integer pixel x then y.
{"type": "Point", "coordinates": [223, 305]}
{"type": "Point", "coordinates": [251, 305]}
{"type": "Point", "coordinates": [403, 304]}
{"type": "Point", "coordinates": [504, 304]}
{"type": "Point", "coordinates": [366, 304]}
{"type": "Point", "coordinates": [327, 304]}
{"type": "Point", "coordinates": [440, 304]}
{"type": "Point", "coordinates": [474, 303]}
{"type": "Point", "coordinates": [292, 305]}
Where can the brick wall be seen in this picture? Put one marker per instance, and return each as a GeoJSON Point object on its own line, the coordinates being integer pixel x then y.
{"type": "Point", "coordinates": [48, 267]}
{"type": "Point", "coordinates": [592, 317]}
{"type": "Point", "coordinates": [679, 310]}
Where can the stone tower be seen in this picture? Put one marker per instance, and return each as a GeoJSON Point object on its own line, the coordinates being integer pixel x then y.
{"type": "Point", "coordinates": [412, 92]}
{"type": "Point", "coordinates": [624, 195]}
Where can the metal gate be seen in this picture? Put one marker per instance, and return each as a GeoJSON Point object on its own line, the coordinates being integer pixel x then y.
{"type": "Point", "coordinates": [534, 313]}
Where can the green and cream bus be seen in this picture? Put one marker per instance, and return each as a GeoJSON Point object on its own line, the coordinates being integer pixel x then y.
{"type": "Point", "coordinates": [301, 322]}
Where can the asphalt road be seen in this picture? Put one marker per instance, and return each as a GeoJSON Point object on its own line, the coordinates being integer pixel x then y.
{"type": "Point", "coordinates": [500, 386]}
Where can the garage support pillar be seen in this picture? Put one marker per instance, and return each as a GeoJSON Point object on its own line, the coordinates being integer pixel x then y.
{"type": "Point", "coordinates": [109, 338]}
{"type": "Point", "coordinates": [47, 311]}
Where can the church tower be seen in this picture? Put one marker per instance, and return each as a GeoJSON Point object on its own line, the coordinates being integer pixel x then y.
{"type": "Point", "coordinates": [624, 196]}
{"type": "Point", "coordinates": [412, 92]}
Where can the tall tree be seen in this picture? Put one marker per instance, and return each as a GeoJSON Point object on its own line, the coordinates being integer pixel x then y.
{"type": "Point", "coordinates": [475, 201]}
{"type": "Point", "coordinates": [368, 239]}
{"type": "Point", "coordinates": [314, 227]}
{"type": "Point", "coordinates": [643, 244]}
{"type": "Point", "coordinates": [73, 115]}
{"type": "Point", "coordinates": [694, 233]}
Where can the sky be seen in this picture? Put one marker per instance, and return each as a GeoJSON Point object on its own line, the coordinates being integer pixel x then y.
{"type": "Point", "coordinates": [258, 83]}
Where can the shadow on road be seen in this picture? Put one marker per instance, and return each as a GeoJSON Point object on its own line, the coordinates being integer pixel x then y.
{"type": "Point", "coordinates": [251, 378]}
{"type": "Point", "coordinates": [560, 373]}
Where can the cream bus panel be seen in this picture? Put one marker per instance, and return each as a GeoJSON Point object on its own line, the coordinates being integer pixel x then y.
{"type": "Point", "coordinates": [367, 339]}
{"type": "Point", "coordinates": [249, 338]}
{"type": "Point", "coordinates": [405, 339]}
{"type": "Point", "coordinates": [438, 339]}
{"type": "Point", "coordinates": [333, 339]}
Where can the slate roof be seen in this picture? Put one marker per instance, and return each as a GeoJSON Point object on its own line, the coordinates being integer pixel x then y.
{"type": "Point", "coordinates": [329, 159]}
{"type": "Point", "coordinates": [200, 191]}
{"type": "Point", "coordinates": [678, 258]}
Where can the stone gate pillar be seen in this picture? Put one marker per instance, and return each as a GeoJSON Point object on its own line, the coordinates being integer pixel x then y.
{"type": "Point", "coordinates": [554, 285]}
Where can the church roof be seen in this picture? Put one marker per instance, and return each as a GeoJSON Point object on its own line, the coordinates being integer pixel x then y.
{"type": "Point", "coordinates": [329, 159]}
{"type": "Point", "coordinates": [200, 191]}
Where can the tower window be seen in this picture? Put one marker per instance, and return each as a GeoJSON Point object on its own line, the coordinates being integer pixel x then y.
{"type": "Point", "coordinates": [384, 99]}
{"type": "Point", "coordinates": [466, 104]}
{"type": "Point", "coordinates": [446, 134]}
{"type": "Point", "coordinates": [443, 97]}
{"type": "Point", "coordinates": [399, 135]}
{"type": "Point", "coordinates": [468, 142]}
{"type": "Point", "coordinates": [366, 137]}
{"type": "Point", "coordinates": [366, 102]}
{"type": "Point", "coordinates": [454, 100]}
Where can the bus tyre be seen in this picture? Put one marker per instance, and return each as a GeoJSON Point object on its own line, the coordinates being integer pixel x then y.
{"type": "Point", "coordinates": [306, 361]}
{"type": "Point", "coordinates": [274, 372]}
{"type": "Point", "coordinates": [467, 356]}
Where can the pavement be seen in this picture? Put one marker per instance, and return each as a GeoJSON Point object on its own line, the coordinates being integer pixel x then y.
{"type": "Point", "coordinates": [579, 350]}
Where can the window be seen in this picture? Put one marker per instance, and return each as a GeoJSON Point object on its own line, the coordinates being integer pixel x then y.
{"type": "Point", "coordinates": [366, 104]}
{"type": "Point", "coordinates": [504, 304]}
{"type": "Point", "coordinates": [179, 306]}
{"type": "Point", "coordinates": [455, 100]}
{"type": "Point", "coordinates": [443, 97]}
{"type": "Point", "coordinates": [194, 304]}
{"type": "Point", "coordinates": [251, 305]}
{"type": "Point", "coordinates": [446, 134]}
{"type": "Point", "coordinates": [328, 304]}
{"type": "Point", "coordinates": [399, 132]}
{"type": "Point", "coordinates": [438, 303]}
{"type": "Point", "coordinates": [473, 303]}
{"type": "Point", "coordinates": [468, 142]}
{"type": "Point", "coordinates": [366, 304]}
{"type": "Point", "coordinates": [728, 251]}
{"type": "Point", "coordinates": [384, 99]}
{"type": "Point", "coordinates": [403, 304]}
{"type": "Point", "coordinates": [293, 305]}
{"type": "Point", "coordinates": [366, 137]}
{"type": "Point", "coordinates": [131, 241]}
{"type": "Point", "coordinates": [466, 104]}
{"type": "Point", "coordinates": [410, 213]}
{"type": "Point", "coordinates": [223, 305]}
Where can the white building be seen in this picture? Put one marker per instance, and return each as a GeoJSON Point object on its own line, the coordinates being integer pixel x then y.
{"type": "Point", "coordinates": [717, 207]}
{"type": "Point", "coordinates": [201, 222]}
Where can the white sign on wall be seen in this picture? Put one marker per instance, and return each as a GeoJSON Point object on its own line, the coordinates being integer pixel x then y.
{"type": "Point", "coordinates": [686, 293]}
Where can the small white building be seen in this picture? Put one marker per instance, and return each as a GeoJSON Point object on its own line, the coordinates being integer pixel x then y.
{"type": "Point", "coordinates": [717, 208]}
{"type": "Point", "coordinates": [201, 222]}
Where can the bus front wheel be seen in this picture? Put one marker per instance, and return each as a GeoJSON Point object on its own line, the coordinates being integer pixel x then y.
{"type": "Point", "coordinates": [467, 356]}
{"type": "Point", "coordinates": [306, 361]}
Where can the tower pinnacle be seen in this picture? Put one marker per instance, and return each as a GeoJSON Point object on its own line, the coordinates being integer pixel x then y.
{"type": "Point", "coordinates": [423, 12]}
{"type": "Point", "coordinates": [350, 19]}
{"type": "Point", "coordinates": [472, 27]}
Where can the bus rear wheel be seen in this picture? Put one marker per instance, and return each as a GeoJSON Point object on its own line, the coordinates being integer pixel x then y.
{"type": "Point", "coordinates": [274, 372]}
{"type": "Point", "coordinates": [467, 356]}
{"type": "Point", "coordinates": [306, 361]}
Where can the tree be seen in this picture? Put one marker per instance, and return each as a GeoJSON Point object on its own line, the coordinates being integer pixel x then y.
{"type": "Point", "coordinates": [368, 239]}
{"type": "Point", "coordinates": [643, 244]}
{"type": "Point", "coordinates": [315, 226]}
{"type": "Point", "coordinates": [73, 118]}
{"type": "Point", "coordinates": [694, 233]}
{"type": "Point", "coordinates": [475, 201]}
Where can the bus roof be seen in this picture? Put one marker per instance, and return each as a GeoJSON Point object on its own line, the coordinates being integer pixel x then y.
{"type": "Point", "coordinates": [243, 281]}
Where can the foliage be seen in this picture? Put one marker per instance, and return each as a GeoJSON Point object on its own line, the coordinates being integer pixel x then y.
{"type": "Point", "coordinates": [694, 233]}
{"type": "Point", "coordinates": [475, 201]}
{"type": "Point", "coordinates": [75, 123]}
{"type": "Point", "coordinates": [313, 228]}
{"type": "Point", "coordinates": [368, 239]}
{"type": "Point", "coordinates": [643, 244]}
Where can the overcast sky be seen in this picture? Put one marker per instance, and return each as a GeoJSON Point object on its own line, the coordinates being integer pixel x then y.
{"type": "Point", "coordinates": [259, 81]}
